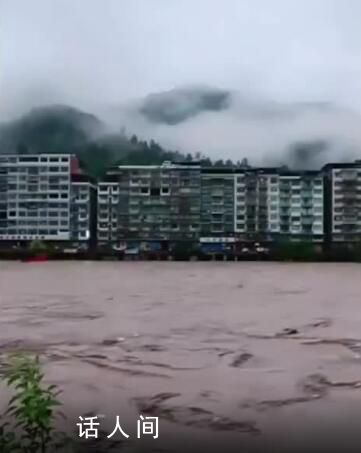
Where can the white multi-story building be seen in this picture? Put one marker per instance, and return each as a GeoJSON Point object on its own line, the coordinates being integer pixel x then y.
{"type": "Point", "coordinates": [301, 205]}
{"type": "Point", "coordinates": [343, 202]}
{"type": "Point", "coordinates": [36, 198]}
{"type": "Point", "coordinates": [273, 203]}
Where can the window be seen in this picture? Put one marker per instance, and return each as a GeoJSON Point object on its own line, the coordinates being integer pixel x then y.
{"type": "Point", "coordinates": [29, 159]}
{"type": "Point", "coordinates": [53, 196]}
{"type": "Point", "coordinates": [53, 169]}
{"type": "Point", "coordinates": [154, 192]}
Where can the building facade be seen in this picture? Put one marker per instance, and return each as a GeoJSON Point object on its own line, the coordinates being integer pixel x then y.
{"type": "Point", "coordinates": [83, 211]}
{"type": "Point", "coordinates": [47, 197]}
{"type": "Point", "coordinates": [175, 202]}
{"type": "Point", "coordinates": [36, 197]}
{"type": "Point", "coordinates": [343, 202]}
{"type": "Point", "coordinates": [217, 202]}
{"type": "Point", "coordinates": [160, 203]}
{"type": "Point", "coordinates": [273, 204]}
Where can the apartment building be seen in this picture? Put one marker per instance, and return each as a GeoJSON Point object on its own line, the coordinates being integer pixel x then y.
{"type": "Point", "coordinates": [152, 202]}
{"type": "Point", "coordinates": [83, 222]}
{"type": "Point", "coordinates": [343, 202]}
{"type": "Point", "coordinates": [217, 202]}
{"type": "Point", "coordinates": [36, 195]}
{"type": "Point", "coordinates": [256, 204]}
{"type": "Point", "coordinates": [301, 206]}
{"type": "Point", "coordinates": [274, 204]}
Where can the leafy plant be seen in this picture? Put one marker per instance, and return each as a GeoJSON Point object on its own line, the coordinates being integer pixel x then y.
{"type": "Point", "coordinates": [27, 425]}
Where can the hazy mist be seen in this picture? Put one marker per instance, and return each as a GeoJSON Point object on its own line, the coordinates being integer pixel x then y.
{"type": "Point", "coordinates": [293, 69]}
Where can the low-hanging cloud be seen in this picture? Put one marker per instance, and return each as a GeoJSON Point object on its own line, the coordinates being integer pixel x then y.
{"type": "Point", "coordinates": [265, 132]}
{"type": "Point", "coordinates": [280, 59]}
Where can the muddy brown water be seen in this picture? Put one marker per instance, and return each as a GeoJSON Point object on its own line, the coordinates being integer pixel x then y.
{"type": "Point", "coordinates": [223, 353]}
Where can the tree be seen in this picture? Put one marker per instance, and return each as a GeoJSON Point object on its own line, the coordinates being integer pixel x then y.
{"type": "Point", "coordinates": [134, 140]}
{"type": "Point", "coordinates": [244, 162]}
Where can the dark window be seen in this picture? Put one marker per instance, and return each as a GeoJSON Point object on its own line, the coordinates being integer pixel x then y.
{"type": "Point", "coordinates": [28, 159]}
{"type": "Point", "coordinates": [155, 192]}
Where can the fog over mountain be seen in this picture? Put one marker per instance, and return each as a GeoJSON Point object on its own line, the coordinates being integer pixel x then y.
{"type": "Point", "coordinates": [226, 124]}
{"type": "Point", "coordinates": [271, 80]}
{"type": "Point", "coordinates": [220, 124]}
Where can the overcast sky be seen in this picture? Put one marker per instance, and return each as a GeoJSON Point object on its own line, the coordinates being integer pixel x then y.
{"type": "Point", "coordinates": [107, 51]}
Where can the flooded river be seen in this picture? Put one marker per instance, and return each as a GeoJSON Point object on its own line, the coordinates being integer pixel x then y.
{"type": "Point", "coordinates": [261, 355]}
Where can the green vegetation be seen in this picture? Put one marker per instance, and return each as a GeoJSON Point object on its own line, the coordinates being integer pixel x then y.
{"type": "Point", "coordinates": [28, 423]}
{"type": "Point", "coordinates": [61, 129]}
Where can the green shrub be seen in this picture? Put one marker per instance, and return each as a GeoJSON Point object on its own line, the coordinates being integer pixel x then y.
{"type": "Point", "coordinates": [27, 426]}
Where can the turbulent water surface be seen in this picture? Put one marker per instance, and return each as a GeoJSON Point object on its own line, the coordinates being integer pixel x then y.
{"type": "Point", "coordinates": [261, 353]}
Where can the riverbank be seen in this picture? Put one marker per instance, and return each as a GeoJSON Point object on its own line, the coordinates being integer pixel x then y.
{"type": "Point", "coordinates": [276, 255]}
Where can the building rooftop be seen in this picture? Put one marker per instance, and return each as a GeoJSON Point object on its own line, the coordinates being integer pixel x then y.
{"type": "Point", "coordinates": [355, 164]}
